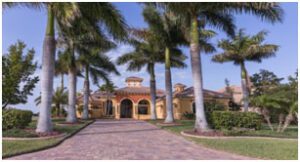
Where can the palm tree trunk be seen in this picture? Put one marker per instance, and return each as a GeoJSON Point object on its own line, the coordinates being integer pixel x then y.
{"type": "Point", "coordinates": [169, 95]}
{"type": "Point", "coordinates": [71, 117]}
{"type": "Point", "coordinates": [281, 121]}
{"type": "Point", "coordinates": [44, 124]}
{"type": "Point", "coordinates": [153, 92]}
{"type": "Point", "coordinates": [62, 82]}
{"type": "Point", "coordinates": [62, 89]}
{"type": "Point", "coordinates": [200, 122]}
{"type": "Point", "coordinates": [288, 119]}
{"type": "Point", "coordinates": [245, 87]}
{"type": "Point", "coordinates": [85, 114]}
{"type": "Point", "coordinates": [4, 105]}
{"type": "Point", "coordinates": [265, 113]}
{"type": "Point", "coordinates": [57, 110]}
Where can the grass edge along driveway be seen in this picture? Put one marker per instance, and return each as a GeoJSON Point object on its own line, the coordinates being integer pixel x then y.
{"type": "Point", "coordinates": [276, 149]}
{"type": "Point", "coordinates": [13, 148]}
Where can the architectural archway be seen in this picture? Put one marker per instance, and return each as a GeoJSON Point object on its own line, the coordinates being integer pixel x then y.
{"type": "Point", "coordinates": [126, 108]}
{"type": "Point", "coordinates": [109, 107]}
{"type": "Point", "coordinates": [143, 107]}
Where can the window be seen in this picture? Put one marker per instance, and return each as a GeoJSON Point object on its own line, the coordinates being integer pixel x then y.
{"type": "Point", "coordinates": [194, 108]}
{"type": "Point", "coordinates": [143, 107]}
{"type": "Point", "coordinates": [109, 107]}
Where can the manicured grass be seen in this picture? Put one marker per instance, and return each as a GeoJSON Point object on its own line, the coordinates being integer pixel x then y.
{"type": "Point", "coordinates": [18, 133]}
{"type": "Point", "coordinates": [10, 148]}
{"type": "Point", "coordinates": [259, 148]}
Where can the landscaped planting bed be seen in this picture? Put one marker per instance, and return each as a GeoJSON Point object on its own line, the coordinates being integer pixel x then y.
{"type": "Point", "coordinates": [32, 143]}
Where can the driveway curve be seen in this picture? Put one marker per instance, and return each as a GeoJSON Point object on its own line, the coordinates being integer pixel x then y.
{"type": "Point", "coordinates": [126, 139]}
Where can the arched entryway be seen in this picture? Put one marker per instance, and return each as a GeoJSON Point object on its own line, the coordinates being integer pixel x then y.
{"type": "Point", "coordinates": [126, 108]}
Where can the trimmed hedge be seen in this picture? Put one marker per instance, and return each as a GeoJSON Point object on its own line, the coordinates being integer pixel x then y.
{"type": "Point", "coordinates": [188, 115]}
{"type": "Point", "coordinates": [14, 118]}
{"type": "Point", "coordinates": [230, 119]}
{"type": "Point", "coordinates": [210, 107]}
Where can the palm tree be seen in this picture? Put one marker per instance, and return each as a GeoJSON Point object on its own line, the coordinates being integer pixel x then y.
{"type": "Point", "coordinates": [64, 13]}
{"type": "Point", "coordinates": [291, 99]}
{"type": "Point", "coordinates": [97, 66]}
{"type": "Point", "coordinates": [60, 98]}
{"type": "Point", "coordinates": [167, 31]}
{"type": "Point", "coordinates": [87, 33]}
{"type": "Point", "coordinates": [287, 94]}
{"type": "Point", "coordinates": [244, 48]}
{"type": "Point", "coordinates": [218, 15]}
{"type": "Point", "coordinates": [61, 68]}
{"type": "Point", "coordinates": [266, 102]}
{"type": "Point", "coordinates": [108, 87]}
{"type": "Point", "coordinates": [147, 53]}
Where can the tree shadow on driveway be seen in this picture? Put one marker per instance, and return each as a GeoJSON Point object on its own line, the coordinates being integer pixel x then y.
{"type": "Point", "coordinates": [114, 132]}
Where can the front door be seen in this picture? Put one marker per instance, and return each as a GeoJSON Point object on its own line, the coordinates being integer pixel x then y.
{"type": "Point", "coordinates": [126, 109]}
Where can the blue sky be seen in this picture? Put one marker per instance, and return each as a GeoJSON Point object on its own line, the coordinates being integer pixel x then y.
{"type": "Point", "coordinates": [29, 26]}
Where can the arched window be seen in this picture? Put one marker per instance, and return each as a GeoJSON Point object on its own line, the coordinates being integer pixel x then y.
{"type": "Point", "coordinates": [109, 107]}
{"type": "Point", "coordinates": [143, 107]}
{"type": "Point", "coordinates": [194, 108]}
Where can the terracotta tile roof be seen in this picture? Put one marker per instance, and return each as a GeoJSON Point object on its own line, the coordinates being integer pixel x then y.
{"type": "Point", "coordinates": [189, 92]}
{"type": "Point", "coordinates": [234, 88]}
{"type": "Point", "coordinates": [179, 84]}
{"type": "Point", "coordinates": [101, 94]}
{"type": "Point", "coordinates": [133, 78]}
{"type": "Point", "coordinates": [138, 90]}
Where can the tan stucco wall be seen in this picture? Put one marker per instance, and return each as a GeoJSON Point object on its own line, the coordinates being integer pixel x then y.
{"type": "Point", "coordinates": [180, 106]}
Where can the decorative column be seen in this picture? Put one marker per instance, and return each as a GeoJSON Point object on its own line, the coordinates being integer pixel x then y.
{"type": "Point", "coordinates": [134, 109]}
{"type": "Point", "coordinates": [117, 112]}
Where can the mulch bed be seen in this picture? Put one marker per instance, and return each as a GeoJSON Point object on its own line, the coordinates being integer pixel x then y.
{"type": "Point", "coordinates": [49, 134]}
{"type": "Point", "coordinates": [169, 124]}
{"type": "Point", "coordinates": [212, 133]}
{"type": "Point", "coordinates": [69, 124]}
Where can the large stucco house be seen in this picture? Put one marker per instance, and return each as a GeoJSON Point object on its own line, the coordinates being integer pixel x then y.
{"type": "Point", "coordinates": [133, 101]}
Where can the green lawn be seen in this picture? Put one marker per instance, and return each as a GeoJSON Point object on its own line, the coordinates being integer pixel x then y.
{"type": "Point", "coordinates": [260, 148]}
{"type": "Point", "coordinates": [10, 148]}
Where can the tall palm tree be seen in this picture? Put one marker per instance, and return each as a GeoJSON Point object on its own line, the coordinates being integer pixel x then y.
{"type": "Point", "coordinates": [64, 13]}
{"type": "Point", "coordinates": [244, 48]}
{"type": "Point", "coordinates": [97, 66]}
{"type": "Point", "coordinates": [165, 27]}
{"type": "Point", "coordinates": [147, 53]}
{"type": "Point", "coordinates": [218, 15]}
{"type": "Point", "coordinates": [87, 33]}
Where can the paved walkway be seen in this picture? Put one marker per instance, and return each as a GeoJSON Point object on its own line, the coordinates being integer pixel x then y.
{"type": "Point", "coordinates": [127, 139]}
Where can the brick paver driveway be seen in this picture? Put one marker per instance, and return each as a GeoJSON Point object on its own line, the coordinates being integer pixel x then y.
{"type": "Point", "coordinates": [127, 139]}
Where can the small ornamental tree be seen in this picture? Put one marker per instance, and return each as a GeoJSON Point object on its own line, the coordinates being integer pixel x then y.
{"type": "Point", "coordinates": [264, 81]}
{"type": "Point", "coordinates": [17, 74]}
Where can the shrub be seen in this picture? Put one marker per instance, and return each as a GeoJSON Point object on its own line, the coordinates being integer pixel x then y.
{"type": "Point", "coordinates": [230, 119]}
{"type": "Point", "coordinates": [211, 106]}
{"type": "Point", "coordinates": [14, 118]}
{"type": "Point", "coordinates": [233, 106]}
{"type": "Point", "coordinates": [188, 115]}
